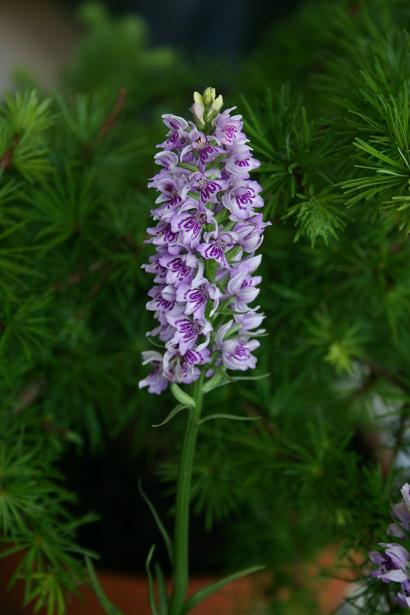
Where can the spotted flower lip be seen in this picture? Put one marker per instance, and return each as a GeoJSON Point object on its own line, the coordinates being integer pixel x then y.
{"type": "Point", "coordinates": [228, 128]}
{"type": "Point", "coordinates": [187, 332]}
{"type": "Point", "coordinates": [392, 563]}
{"type": "Point", "coordinates": [191, 221]}
{"type": "Point", "coordinates": [237, 354]}
{"type": "Point", "coordinates": [183, 367]}
{"type": "Point", "coordinates": [155, 381]}
{"type": "Point", "coordinates": [207, 227]}
{"type": "Point", "coordinates": [215, 250]}
{"type": "Point", "coordinates": [207, 184]}
{"type": "Point", "coordinates": [201, 297]}
{"type": "Point", "coordinates": [179, 267]}
{"type": "Point", "coordinates": [242, 200]}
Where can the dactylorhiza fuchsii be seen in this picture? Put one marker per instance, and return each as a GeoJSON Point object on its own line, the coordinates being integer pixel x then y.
{"type": "Point", "coordinates": [393, 564]}
{"type": "Point", "coordinates": [208, 227]}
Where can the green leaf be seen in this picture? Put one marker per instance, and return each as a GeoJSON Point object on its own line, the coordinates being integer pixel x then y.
{"type": "Point", "coordinates": [151, 594]}
{"type": "Point", "coordinates": [161, 527]}
{"type": "Point", "coordinates": [202, 594]}
{"type": "Point", "coordinates": [171, 415]}
{"type": "Point", "coordinates": [106, 604]}
{"type": "Point", "coordinates": [261, 377]}
{"type": "Point", "coordinates": [360, 144]}
{"type": "Point", "coordinates": [27, 120]}
{"type": "Point", "coordinates": [229, 417]}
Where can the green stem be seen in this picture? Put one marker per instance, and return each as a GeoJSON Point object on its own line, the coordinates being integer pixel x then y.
{"type": "Point", "coordinates": [183, 497]}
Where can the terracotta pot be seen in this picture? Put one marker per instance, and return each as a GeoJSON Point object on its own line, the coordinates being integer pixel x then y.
{"type": "Point", "coordinates": [130, 594]}
{"type": "Point", "coordinates": [242, 597]}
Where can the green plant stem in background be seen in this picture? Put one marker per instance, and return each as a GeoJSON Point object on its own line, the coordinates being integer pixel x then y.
{"type": "Point", "coordinates": [181, 537]}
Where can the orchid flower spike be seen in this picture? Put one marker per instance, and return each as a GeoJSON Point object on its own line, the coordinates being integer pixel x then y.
{"type": "Point", "coordinates": [207, 229]}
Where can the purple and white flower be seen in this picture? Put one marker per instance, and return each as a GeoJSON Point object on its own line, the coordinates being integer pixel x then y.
{"type": "Point", "coordinates": [187, 332]}
{"type": "Point", "coordinates": [207, 184]}
{"type": "Point", "coordinates": [393, 563]}
{"type": "Point", "coordinates": [207, 229]}
{"type": "Point", "coordinates": [242, 200]}
{"type": "Point", "coordinates": [215, 249]}
{"type": "Point", "coordinates": [250, 232]}
{"type": "Point", "coordinates": [183, 367]}
{"type": "Point", "coordinates": [191, 220]}
{"type": "Point", "coordinates": [242, 289]}
{"type": "Point", "coordinates": [179, 268]}
{"type": "Point", "coordinates": [198, 298]}
{"type": "Point", "coordinates": [155, 381]}
{"type": "Point", "coordinates": [228, 128]}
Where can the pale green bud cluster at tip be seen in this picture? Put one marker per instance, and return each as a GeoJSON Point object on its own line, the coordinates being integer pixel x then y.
{"type": "Point", "coordinates": [206, 107]}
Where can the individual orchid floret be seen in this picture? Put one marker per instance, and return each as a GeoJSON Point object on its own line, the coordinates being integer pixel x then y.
{"type": "Point", "coordinates": [207, 228]}
{"type": "Point", "coordinates": [393, 563]}
{"type": "Point", "coordinates": [183, 367]}
{"type": "Point", "coordinates": [155, 381]}
{"type": "Point", "coordinates": [236, 351]}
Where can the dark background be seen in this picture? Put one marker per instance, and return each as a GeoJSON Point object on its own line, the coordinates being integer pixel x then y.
{"type": "Point", "coordinates": [227, 28]}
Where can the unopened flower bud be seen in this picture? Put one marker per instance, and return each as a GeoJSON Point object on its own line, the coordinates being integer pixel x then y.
{"type": "Point", "coordinates": [209, 96]}
{"type": "Point", "coordinates": [197, 111]}
{"type": "Point", "coordinates": [206, 107]}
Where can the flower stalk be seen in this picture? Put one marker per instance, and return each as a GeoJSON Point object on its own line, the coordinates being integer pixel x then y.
{"type": "Point", "coordinates": [206, 236]}
{"type": "Point", "coordinates": [183, 498]}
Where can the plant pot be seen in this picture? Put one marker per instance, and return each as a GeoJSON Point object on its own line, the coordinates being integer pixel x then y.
{"type": "Point", "coordinates": [130, 593]}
